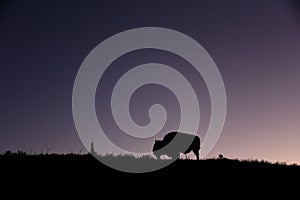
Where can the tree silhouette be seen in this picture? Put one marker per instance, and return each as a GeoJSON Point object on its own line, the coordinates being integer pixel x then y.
{"type": "Point", "coordinates": [92, 151]}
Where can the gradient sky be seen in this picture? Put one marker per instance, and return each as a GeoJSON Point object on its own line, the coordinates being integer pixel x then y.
{"type": "Point", "coordinates": [255, 44]}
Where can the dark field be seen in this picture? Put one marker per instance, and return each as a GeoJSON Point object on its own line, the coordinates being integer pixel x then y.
{"type": "Point", "coordinates": [64, 166]}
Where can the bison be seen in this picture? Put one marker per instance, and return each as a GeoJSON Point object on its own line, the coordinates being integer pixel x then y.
{"type": "Point", "coordinates": [172, 146]}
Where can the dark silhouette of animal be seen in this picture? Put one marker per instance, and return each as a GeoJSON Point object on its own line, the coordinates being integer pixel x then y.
{"type": "Point", "coordinates": [175, 143]}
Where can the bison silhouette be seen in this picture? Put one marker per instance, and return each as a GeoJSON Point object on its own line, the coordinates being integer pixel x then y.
{"type": "Point", "coordinates": [172, 146]}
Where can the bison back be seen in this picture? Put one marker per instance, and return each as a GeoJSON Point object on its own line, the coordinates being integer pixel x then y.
{"type": "Point", "coordinates": [182, 142]}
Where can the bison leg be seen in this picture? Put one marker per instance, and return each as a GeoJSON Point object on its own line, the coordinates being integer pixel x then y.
{"type": "Point", "coordinates": [196, 152]}
{"type": "Point", "coordinates": [174, 156]}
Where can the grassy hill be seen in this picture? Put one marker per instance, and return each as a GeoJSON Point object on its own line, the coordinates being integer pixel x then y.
{"type": "Point", "coordinates": [69, 165]}
{"type": "Point", "coordinates": [73, 173]}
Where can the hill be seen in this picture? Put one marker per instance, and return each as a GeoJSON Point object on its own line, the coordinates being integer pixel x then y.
{"type": "Point", "coordinates": [74, 165]}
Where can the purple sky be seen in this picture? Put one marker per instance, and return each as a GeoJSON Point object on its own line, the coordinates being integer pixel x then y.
{"type": "Point", "coordinates": [256, 46]}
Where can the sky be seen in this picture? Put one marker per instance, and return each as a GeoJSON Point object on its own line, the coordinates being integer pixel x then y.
{"type": "Point", "coordinates": [255, 44]}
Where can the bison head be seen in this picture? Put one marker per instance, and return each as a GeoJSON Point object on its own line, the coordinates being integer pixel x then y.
{"type": "Point", "coordinates": [158, 144]}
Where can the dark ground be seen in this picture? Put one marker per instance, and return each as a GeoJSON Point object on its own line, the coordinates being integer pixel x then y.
{"type": "Point", "coordinates": [85, 167]}
{"type": "Point", "coordinates": [76, 175]}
